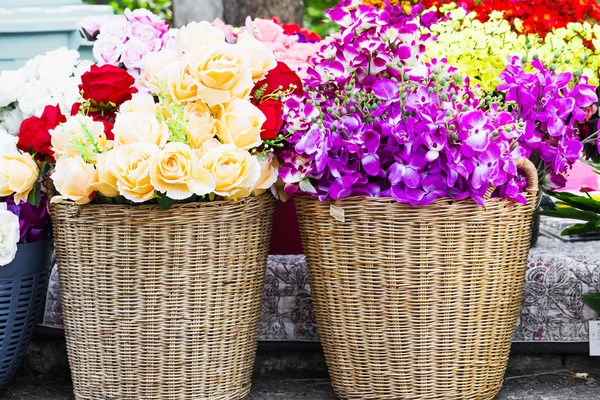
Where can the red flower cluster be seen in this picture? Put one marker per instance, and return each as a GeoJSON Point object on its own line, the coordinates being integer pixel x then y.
{"type": "Point", "coordinates": [106, 88]}
{"type": "Point", "coordinates": [279, 79]}
{"type": "Point", "coordinates": [304, 34]}
{"type": "Point", "coordinates": [538, 16]}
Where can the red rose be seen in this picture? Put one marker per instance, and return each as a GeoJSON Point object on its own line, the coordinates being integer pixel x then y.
{"type": "Point", "coordinates": [35, 133]}
{"type": "Point", "coordinates": [282, 76]}
{"type": "Point", "coordinates": [292, 29]}
{"type": "Point", "coordinates": [273, 110]}
{"type": "Point", "coordinates": [107, 84]}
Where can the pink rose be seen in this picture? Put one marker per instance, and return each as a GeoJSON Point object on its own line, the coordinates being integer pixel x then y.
{"type": "Point", "coordinates": [117, 26]}
{"type": "Point", "coordinates": [299, 55]}
{"type": "Point", "coordinates": [90, 26]}
{"type": "Point", "coordinates": [108, 50]}
{"type": "Point", "coordinates": [265, 30]}
{"type": "Point", "coordinates": [170, 40]}
{"type": "Point", "coordinates": [133, 52]}
{"type": "Point", "coordinates": [147, 34]}
{"type": "Point", "coordinates": [147, 18]}
{"type": "Point", "coordinates": [227, 30]}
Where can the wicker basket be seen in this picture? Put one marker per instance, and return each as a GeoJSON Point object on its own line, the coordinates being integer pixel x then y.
{"type": "Point", "coordinates": [417, 302]}
{"type": "Point", "coordinates": [161, 304]}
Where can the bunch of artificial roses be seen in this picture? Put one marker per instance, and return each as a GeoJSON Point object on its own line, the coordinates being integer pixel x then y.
{"type": "Point", "coordinates": [197, 133]}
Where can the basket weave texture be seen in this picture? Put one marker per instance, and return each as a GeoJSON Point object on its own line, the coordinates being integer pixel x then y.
{"type": "Point", "coordinates": [417, 302]}
{"type": "Point", "coordinates": [161, 304]}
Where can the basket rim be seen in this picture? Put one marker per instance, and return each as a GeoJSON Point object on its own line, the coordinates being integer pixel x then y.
{"type": "Point", "coordinates": [151, 208]}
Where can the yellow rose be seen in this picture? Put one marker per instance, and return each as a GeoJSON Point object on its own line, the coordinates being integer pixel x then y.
{"type": "Point", "coordinates": [107, 181]}
{"type": "Point", "coordinates": [262, 59]}
{"type": "Point", "coordinates": [18, 174]}
{"type": "Point", "coordinates": [155, 69]}
{"type": "Point", "coordinates": [234, 170]}
{"type": "Point", "coordinates": [74, 179]}
{"type": "Point", "coordinates": [140, 103]}
{"type": "Point", "coordinates": [130, 164]}
{"type": "Point", "coordinates": [79, 136]}
{"type": "Point", "coordinates": [240, 123]}
{"type": "Point", "coordinates": [269, 171]}
{"type": "Point", "coordinates": [200, 126]}
{"type": "Point", "coordinates": [194, 36]}
{"type": "Point", "coordinates": [206, 146]}
{"type": "Point", "coordinates": [222, 71]}
{"type": "Point", "coordinates": [140, 128]}
{"type": "Point", "coordinates": [182, 87]}
{"type": "Point", "coordinates": [175, 171]}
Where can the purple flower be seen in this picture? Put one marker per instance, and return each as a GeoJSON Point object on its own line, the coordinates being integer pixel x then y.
{"type": "Point", "coordinates": [34, 221]}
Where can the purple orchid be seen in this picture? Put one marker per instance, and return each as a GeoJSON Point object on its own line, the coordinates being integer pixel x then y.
{"type": "Point", "coordinates": [34, 221]}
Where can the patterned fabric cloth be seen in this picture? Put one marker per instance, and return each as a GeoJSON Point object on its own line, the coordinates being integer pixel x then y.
{"type": "Point", "coordinates": [558, 274]}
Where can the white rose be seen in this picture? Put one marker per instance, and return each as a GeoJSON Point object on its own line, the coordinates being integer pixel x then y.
{"type": "Point", "coordinates": [116, 26]}
{"type": "Point", "coordinates": [139, 127]}
{"type": "Point", "coordinates": [140, 103]}
{"type": "Point", "coordinates": [8, 143]}
{"type": "Point", "coordinates": [197, 34]}
{"type": "Point", "coordinates": [133, 53]}
{"type": "Point", "coordinates": [11, 121]}
{"type": "Point", "coordinates": [10, 83]}
{"type": "Point", "coordinates": [31, 69]}
{"type": "Point", "coordinates": [58, 63]}
{"type": "Point", "coordinates": [10, 234]}
{"type": "Point", "coordinates": [33, 99]}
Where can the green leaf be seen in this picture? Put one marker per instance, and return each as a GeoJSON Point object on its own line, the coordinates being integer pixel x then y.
{"type": "Point", "coordinates": [35, 198]}
{"type": "Point", "coordinates": [164, 202]}
{"type": "Point", "coordinates": [576, 201]}
{"type": "Point", "coordinates": [44, 169]}
{"type": "Point", "coordinates": [567, 212]}
{"type": "Point", "coordinates": [580, 229]}
{"type": "Point", "coordinates": [592, 300]}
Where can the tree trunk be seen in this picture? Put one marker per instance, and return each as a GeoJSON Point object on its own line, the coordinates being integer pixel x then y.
{"type": "Point", "coordinates": [186, 11]}
{"type": "Point", "coordinates": [236, 11]}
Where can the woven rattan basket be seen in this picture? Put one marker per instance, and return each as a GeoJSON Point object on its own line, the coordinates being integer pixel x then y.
{"type": "Point", "coordinates": [161, 304]}
{"type": "Point", "coordinates": [417, 302]}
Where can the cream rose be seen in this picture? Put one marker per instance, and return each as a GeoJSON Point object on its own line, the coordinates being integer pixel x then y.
{"type": "Point", "coordinates": [10, 234]}
{"type": "Point", "coordinates": [269, 170]}
{"type": "Point", "coordinates": [79, 136]}
{"type": "Point", "coordinates": [222, 72]}
{"type": "Point", "coordinates": [201, 126]}
{"type": "Point", "coordinates": [156, 67]}
{"type": "Point", "coordinates": [195, 35]}
{"type": "Point", "coordinates": [74, 179]}
{"type": "Point", "coordinates": [262, 59]}
{"type": "Point", "coordinates": [140, 103]}
{"type": "Point", "coordinates": [234, 170]}
{"type": "Point", "coordinates": [175, 171]}
{"type": "Point", "coordinates": [18, 175]}
{"type": "Point", "coordinates": [130, 164]}
{"type": "Point", "coordinates": [140, 128]}
{"type": "Point", "coordinates": [206, 146]}
{"type": "Point", "coordinates": [107, 181]}
{"type": "Point", "coordinates": [240, 123]}
{"type": "Point", "coordinates": [182, 87]}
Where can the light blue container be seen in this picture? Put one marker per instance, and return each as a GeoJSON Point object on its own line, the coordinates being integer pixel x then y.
{"type": "Point", "coordinates": [29, 28]}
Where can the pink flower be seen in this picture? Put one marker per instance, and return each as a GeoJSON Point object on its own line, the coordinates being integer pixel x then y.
{"type": "Point", "coordinates": [147, 18]}
{"type": "Point", "coordinates": [108, 50]}
{"type": "Point", "coordinates": [133, 52]}
{"type": "Point", "coordinates": [117, 26]}
{"type": "Point", "coordinates": [269, 33]}
{"type": "Point", "coordinates": [227, 30]}
{"type": "Point", "coordinates": [90, 26]}
{"type": "Point", "coordinates": [298, 56]}
{"type": "Point", "coordinates": [147, 34]}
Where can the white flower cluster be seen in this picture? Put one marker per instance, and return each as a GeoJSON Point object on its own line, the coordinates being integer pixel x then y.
{"type": "Point", "coordinates": [50, 79]}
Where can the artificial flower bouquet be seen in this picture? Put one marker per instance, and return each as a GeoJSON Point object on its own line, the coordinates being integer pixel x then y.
{"type": "Point", "coordinates": [198, 131]}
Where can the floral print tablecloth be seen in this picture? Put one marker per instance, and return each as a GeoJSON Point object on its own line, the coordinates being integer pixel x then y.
{"type": "Point", "coordinates": [557, 276]}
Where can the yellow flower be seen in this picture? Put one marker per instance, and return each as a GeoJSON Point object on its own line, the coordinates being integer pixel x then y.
{"type": "Point", "coordinates": [18, 175]}
{"type": "Point", "coordinates": [74, 179]}
{"type": "Point", "coordinates": [107, 181]}
{"type": "Point", "coordinates": [221, 72]}
{"type": "Point", "coordinates": [156, 68]}
{"type": "Point", "coordinates": [262, 59]}
{"type": "Point", "coordinates": [269, 170]}
{"type": "Point", "coordinates": [130, 164]}
{"type": "Point", "coordinates": [240, 123]}
{"type": "Point", "coordinates": [196, 35]}
{"type": "Point", "coordinates": [201, 126]}
{"type": "Point", "coordinates": [140, 103]}
{"type": "Point", "coordinates": [175, 171]}
{"type": "Point", "coordinates": [234, 170]}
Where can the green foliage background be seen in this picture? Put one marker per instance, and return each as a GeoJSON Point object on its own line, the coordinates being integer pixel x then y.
{"type": "Point", "coordinates": [314, 14]}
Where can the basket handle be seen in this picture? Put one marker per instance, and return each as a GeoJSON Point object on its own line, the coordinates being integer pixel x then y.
{"type": "Point", "coordinates": [530, 172]}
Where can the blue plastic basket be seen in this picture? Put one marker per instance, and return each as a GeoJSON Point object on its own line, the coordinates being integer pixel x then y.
{"type": "Point", "coordinates": [23, 285]}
